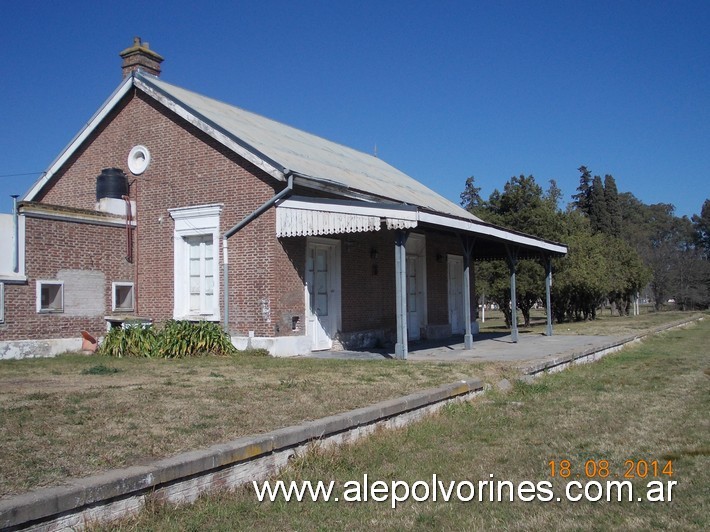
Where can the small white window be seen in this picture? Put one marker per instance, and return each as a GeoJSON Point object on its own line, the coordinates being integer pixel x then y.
{"type": "Point", "coordinates": [50, 296]}
{"type": "Point", "coordinates": [2, 302]}
{"type": "Point", "coordinates": [123, 297]}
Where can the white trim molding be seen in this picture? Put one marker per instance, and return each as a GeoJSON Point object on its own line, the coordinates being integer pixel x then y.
{"type": "Point", "coordinates": [195, 221]}
{"type": "Point", "coordinates": [115, 286]}
{"type": "Point", "coordinates": [54, 306]}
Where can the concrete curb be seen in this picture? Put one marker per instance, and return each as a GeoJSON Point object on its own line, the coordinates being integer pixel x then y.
{"type": "Point", "coordinates": [182, 478]}
{"type": "Point", "coordinates": [595, 353]}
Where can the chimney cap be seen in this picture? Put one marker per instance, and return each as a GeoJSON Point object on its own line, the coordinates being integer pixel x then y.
{"type": "Point", "coordinates": [140, 47]}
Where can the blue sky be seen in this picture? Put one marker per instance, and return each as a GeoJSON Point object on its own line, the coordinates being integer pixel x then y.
{"type": "Point", "coordinates": [442, 89]}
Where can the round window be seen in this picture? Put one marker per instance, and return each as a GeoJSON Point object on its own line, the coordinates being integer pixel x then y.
{"type": "Point", "coordinates": [138, 160]}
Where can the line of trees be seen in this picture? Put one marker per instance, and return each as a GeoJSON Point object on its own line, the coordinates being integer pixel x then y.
{"type": "Point", "coordinates": [618, 246]}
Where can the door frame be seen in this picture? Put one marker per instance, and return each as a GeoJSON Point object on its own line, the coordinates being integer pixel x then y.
{"type": "Point", "coordinates": [334, 296]}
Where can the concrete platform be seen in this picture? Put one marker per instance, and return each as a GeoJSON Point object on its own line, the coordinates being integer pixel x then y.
{"type": "Point", "coordinates": [487, 347]}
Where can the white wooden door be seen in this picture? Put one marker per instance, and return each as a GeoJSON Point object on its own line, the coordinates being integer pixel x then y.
{"type": "Point", "coordinates": [413, 298]}
{"type": "Point", "coordinates": [321, 284]}
{"type": "Point", "coordinates": [456, 318]}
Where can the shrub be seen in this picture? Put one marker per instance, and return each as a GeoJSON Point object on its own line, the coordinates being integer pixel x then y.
{"type": "Point", "coordinates": [134, 341]}
{"type": "Point", "coordinates": [181, 339]}
{"type": "Point", "coordinates": [176, 339]}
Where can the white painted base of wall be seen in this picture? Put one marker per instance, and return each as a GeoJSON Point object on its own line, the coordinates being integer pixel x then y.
{"type": "Point", "coordinates": [115, 206]}
{"type": "Point", "coordinates": [19, 349]}
{"type": "Point", "coordinates": [281, 346]}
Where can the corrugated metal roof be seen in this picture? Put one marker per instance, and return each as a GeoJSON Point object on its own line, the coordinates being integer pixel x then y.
{"type": "Point", "coordinates": [309, 155]}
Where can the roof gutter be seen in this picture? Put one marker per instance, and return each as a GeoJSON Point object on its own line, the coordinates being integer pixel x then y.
{"type": "Point", "coordinates": [241, 225]}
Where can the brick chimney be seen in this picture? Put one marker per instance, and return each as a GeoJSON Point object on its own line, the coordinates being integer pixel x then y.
{"type": "Point", "coordinates": [140, 57]}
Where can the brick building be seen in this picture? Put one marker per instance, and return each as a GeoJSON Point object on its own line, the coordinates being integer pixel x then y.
{"type": "Point", "coordinates": [169, 204]}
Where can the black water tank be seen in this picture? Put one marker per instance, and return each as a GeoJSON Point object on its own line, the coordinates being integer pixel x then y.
{"type": "Point", "coordinates": [111, 183]}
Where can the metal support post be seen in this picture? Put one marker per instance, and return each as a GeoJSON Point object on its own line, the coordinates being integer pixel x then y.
{"type": "Point", "coordinates": [548, 288]}
{"type": "Point", "coordinates": [400, 264]}
{"type": "Point", "coordinates": [512, 261]}
{"type": "Point", "coordinates": [467, 244]}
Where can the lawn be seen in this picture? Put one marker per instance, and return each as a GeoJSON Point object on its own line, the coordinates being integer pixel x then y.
{"type": "Point", "coordinates": [605, 324]}
{"type": "Point", "coordinates": [76, 415]}
{"type": "Point", "coordinates": [647, 403]}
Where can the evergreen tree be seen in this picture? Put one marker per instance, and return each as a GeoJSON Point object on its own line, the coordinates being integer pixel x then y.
{"type": "Point", "coordinates": [613, 208]}
{"type": "Point", "coordinates": [701, 224]}
{"type": "Point", "coordinates": [554, 195]}
{"type": "Point", "coordinates": [471, 196]}
{"type": "Point", "coordinates": [584, 190]}
{"type": "Point", "coordinates": [598, 216]}
{"type": "Point", "coordinates": [522, 206]}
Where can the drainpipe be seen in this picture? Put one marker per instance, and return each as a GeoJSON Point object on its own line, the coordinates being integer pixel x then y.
{"type": "Point", "coordinates": [16, 247]}
{"type": "Point", "coordinates": [243, 223]}
{"type": "Point", "coordinates": [129, 234]}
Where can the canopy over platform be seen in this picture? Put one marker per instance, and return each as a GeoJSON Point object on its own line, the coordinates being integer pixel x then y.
{"type": "Point", "coordinates": [306, 216]}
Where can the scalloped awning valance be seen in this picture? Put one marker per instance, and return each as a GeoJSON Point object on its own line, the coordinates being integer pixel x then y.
{"type": "Point", "coordinates": [306, 217]}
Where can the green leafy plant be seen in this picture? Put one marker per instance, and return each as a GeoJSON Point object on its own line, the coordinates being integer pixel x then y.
{"type": "Point", "coordinates": [182, 339]}
{"type": "Point", "coordinates": [134, 341]}
{"type": "Point", "coordinates": [176, 339]}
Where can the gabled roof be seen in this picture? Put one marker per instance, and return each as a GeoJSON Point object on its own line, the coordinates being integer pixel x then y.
{"type": "Point", "coordinates": [278, 148]}
{"type": "Point", "coordinates": [283, 151]}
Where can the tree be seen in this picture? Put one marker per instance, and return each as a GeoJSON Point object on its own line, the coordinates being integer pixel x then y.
{"type": "Point", "coordinates": [471, 196]}
{"type": "Point", "coordinates": [521, 206]}
{"type": "Point", "coordinates": [671, 248]}
{"type": "Point", "coordinates": [554, 195]}
{"type": "Point", "coordinates": [581, 199]}
{"type": "Point", "coordinates": [690, 282]}
{"type": "Point", "coordinates": [581, 281]}
{"type": "Point", "coordinates": [524, 206]}
{"type": "Point", "coordinates": [626, 276]}
{"type": "Point", "coordinates": [613, 208]}
{"type": "Point", "coordinates": [701, 225]}
{"type": "Point", "coordinates": [598, 215]}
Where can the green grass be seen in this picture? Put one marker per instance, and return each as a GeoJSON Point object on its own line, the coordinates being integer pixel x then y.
{"type": "Point", "coordinates": [605, 324]}
{"type": "Point", "coordinates": [77, 415]}
{"type": "Point", "coordinates": [650, 402]}
{"type": "Point", "coordinates": [100, 369]}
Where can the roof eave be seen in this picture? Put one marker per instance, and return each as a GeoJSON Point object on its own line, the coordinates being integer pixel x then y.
{"type": "Point", "coordinates": [494, 232]}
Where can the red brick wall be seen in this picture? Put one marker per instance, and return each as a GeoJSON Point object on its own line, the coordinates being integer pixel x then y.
{"type": "Point", "coordinates": [187, 168]}
{"type": "Point", "coordinates": [368, 300]}
{"type": "Point", "coordinates": [52, 246]}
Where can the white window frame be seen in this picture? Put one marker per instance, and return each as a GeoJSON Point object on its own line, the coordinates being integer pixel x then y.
{"type": "Point", "coordinates": [114, 299]}
{"type": "Point", "coordinates": [2, 302]}
{"type": "Point", "coordinates": [47, 282]}
{"type": "Point", "coordinates": [200, 220]}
